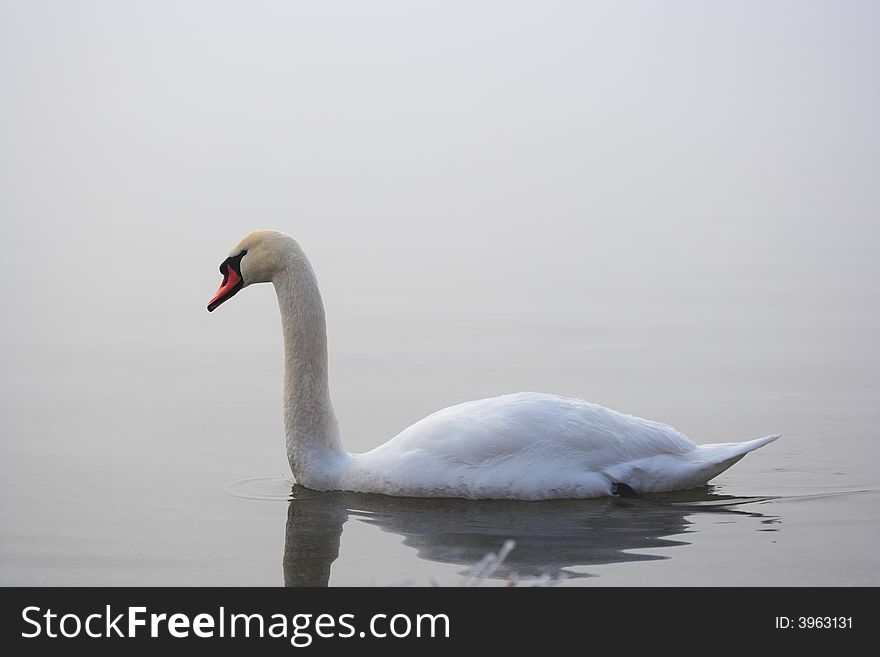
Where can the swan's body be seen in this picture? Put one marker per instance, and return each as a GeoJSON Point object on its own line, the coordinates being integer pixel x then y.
{"type": "Point", "coordinates": [535, 446]}
{"type": "Point", "coordinates": [527, 446]}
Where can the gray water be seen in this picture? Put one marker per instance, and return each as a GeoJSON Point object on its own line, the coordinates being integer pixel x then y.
{"type": "Point", "coordinates": [671, 212]}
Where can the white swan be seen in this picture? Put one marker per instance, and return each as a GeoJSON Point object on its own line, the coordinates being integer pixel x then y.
{"type": "Point", "coordinates": [526, 446]}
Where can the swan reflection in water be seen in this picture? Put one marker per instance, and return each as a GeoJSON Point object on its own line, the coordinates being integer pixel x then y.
{"type": "Point", "coordinates": [550, 536]}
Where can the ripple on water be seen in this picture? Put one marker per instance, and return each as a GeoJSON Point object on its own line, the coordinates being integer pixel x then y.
{"type": "Point", "coordinates": [280, 489]}
{"type": "Point", "coordinates": [267, 489]}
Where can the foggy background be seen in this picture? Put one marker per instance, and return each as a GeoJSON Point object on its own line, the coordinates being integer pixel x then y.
{"type": "Point", "coordinates": [667, 208]}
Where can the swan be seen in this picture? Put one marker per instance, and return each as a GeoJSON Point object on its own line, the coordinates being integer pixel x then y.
{"type": "Point", "coordinates": [525, 446]}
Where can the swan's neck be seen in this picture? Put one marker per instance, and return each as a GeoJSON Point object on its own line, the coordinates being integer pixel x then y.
{"type": "Point", "coordinates": [314, 449]}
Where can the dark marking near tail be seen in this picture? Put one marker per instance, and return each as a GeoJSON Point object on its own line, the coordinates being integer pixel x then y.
{"type": "Point", "coordinates": [622, 490]}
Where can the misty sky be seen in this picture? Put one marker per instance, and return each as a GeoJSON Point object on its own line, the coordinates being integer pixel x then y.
{"type": "Point", "coordinates": [497, 120]}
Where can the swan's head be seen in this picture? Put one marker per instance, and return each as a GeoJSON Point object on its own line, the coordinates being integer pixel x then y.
{"type": "Point", "coordinates": [256, 259]}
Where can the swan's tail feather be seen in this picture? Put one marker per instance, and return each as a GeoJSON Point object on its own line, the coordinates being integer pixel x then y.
{"type": "Point", "coordinates": [720, 456]}
{"type": "Point", "coordinates": [752, 445]}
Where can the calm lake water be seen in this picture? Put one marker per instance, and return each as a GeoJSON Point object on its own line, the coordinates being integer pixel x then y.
{"type": "Point", "coordinates": [668, 210]}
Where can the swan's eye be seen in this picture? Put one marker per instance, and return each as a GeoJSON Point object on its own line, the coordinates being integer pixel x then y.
{"type": "Point", "coordinates": [235, 261]}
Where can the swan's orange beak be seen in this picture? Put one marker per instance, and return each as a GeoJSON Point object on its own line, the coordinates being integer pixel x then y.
{"type": "Point", "coordinates": [232, 283]}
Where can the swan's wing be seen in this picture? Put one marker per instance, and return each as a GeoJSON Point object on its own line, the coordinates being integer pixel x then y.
{"type": "Point", "coordinates": [479, 446]}
{"type": "Point", "coordinates": [492, 428]}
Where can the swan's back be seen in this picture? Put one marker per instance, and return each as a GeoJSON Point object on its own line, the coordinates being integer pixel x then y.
{"type": "Point", "coordinates": [480, 429]}
{"type": "Point", "coordinates": [523, 446]}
